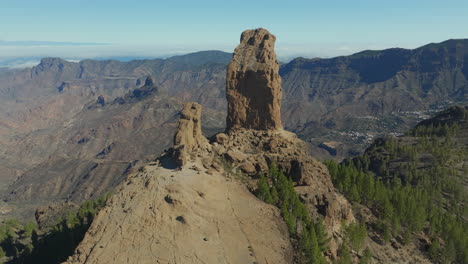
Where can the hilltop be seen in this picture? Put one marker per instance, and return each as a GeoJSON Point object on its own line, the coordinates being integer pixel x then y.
{"type": "Point", "coordinates": [411, 190]}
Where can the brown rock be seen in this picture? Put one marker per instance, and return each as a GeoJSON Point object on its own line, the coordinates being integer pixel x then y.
{"type": "Point", "coordinates": [218, 149]}
{"type": "Point", "coordinates": [235, 156]}
{"type": "Point", "coordinates": [217, 167]}
{"type": "Point", "coordinates": [272, 145]}
{"type": "Point", "coordinates": [248, 167]}
{"type": "Point", "coordinates": [253, 85]}
{"type": "Point", "coordinates": [189, 135]}
{"type": "Point", "coordinates": [261, 164]}
{"type": "Point", "coordinates": [221, 138]}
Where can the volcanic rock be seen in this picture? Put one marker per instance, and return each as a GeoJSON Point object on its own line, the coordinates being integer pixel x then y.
{"type": "Point", "coordinates": [189, 135]}
{"type": "Point", "coordinates": [253, 85]}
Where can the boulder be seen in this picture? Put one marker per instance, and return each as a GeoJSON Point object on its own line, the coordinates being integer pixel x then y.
{"type": "Point", "coordinates": [235, 156]}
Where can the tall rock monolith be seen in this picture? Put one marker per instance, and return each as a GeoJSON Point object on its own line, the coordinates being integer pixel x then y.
{"type": "Point", "coordinates": [253, 84]}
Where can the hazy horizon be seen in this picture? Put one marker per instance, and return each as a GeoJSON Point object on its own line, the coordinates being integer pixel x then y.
{"type": "Point", "coordinates": [147, 29]}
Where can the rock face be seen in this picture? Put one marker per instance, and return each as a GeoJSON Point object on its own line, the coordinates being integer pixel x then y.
{"type": "Point", "coordinates": [189, 134]}
{"type": "Point", "coordinates": [253, 85]}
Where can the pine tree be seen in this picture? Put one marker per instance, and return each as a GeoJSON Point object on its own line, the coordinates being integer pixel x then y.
{"type": "Point", "coordinates": [387, 209]}
{"type": "Point", "coordinates": [322, 236]}
{"type": "Point", "coordinates": [274, 195]}
{"type": "Point", "coordinates": [434, 248]}
{"type": "Point", "coordinates": [354, 194]}
{"type": "Point", "coordinates": [356, 235]}
{"type": "Point", "coordinates": [406, 237]}
{"type": "Point", "coordinates": [306, 244]}
{"type": "Point", "coordinates": [312, 238]}
{"type": "Point", "coordinates": [344, 255]}
{"type": "Point", "coordinates": [273, 171]}
{"type": "Point", "coordinates": [366, 257]}
{"type": "Point", "coordinates": [263, 190]}
{"type": "Point", "coordinates": [16, 253]}
{"type": "Point", "coordinates": [386, 233]}
{"type": "Point", "coordinates": [449, 252]}
{"type": "Point", "coordinates": [315, 255]}
{"type": "Point", "coordinates": [27, 250]}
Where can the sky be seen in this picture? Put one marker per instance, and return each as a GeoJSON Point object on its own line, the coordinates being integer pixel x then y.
{"type": "Point", "coordinates": [326, 28]}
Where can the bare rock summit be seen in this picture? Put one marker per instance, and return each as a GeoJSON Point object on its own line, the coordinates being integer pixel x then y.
{"type": "Point", "coordinates": [253, 85]}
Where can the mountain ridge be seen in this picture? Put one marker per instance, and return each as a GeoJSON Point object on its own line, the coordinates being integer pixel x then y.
{"type": "Point", "coordinates": [323, 100]}
{"type": "Point", "coordinates": [420, 187]}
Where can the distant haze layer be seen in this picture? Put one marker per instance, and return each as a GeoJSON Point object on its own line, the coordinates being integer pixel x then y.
{"type": "Point", "coordinates": [17, 54]}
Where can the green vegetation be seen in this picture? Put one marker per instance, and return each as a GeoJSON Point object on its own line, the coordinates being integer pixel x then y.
{"type": "Point", "coordinates": [22, 244]}
{"type": "Point", "coordinates": [355, 235]}
{"type": "Point", "coordinates": [10, 233]}
{"type": "Point", "coordinates": [344, 256]}
{"type": "Point", "coordinates": [366, 257]}
{"type": "Point", "coordinates": [311, 238]}
{"type": "Point", "coordinates": [443, 124]}
{"type": "Point", "coordinates": [414, 184]}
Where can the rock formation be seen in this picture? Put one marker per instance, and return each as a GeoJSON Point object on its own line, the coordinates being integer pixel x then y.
{"type": "Point", "coordinates": [253, 151]}
{"type": "Point", "coordinates": [203, 213]}
{"type": "Point", "coordinates": [253, 85]}
{"type": "Point", "coordinates": [254, 92]}
{"type": "Point", "coordinates": [189, 134]}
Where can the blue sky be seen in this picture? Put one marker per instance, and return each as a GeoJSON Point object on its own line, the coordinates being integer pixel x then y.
{"type": "Point", "coordinates": [99, 28]}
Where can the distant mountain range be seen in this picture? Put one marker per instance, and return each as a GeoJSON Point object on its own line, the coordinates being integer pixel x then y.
{"type": "Point", "coordinates": [67, 130]}
{"type": "Point", "coordinates": [354, 98]}
{"type": "Point", "coordinates": [31, 61]}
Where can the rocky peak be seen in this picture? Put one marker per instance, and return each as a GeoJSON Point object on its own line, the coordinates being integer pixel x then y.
{"type": "Point", "coordinates": [149, 81]}
{"type": "Point", "coordinates": [147, 89]}
{"type": "Point", "coordinates": [49, 63]}
{"type": "Point", "coordinates": [253, 85]}
{"type": "Point", "coordinates": [189, 136]}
